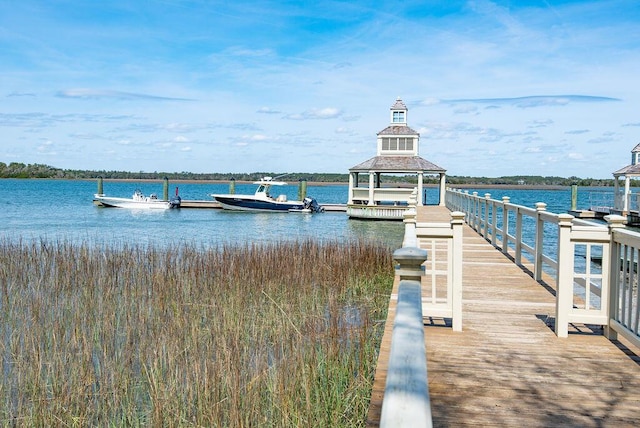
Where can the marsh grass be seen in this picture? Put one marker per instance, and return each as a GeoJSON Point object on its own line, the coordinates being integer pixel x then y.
{"type": "Point", "coordinates": [282, 334]}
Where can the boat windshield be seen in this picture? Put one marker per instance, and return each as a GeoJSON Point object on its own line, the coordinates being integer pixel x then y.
{"type": "Point", "coordinates": [263, 189]}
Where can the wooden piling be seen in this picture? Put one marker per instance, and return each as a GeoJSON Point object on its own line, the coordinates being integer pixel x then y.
{"type": "Point", "coordinates": [165, 189]}
{"type": "Point", "coordinates": [302, 189]}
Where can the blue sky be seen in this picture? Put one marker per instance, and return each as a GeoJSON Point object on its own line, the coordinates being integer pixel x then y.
{"type": "Point", "coordinates": [493, 87]}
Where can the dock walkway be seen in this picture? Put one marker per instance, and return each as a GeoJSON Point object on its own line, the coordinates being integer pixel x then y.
{"type": "Point", "coordinates": [507, 368]}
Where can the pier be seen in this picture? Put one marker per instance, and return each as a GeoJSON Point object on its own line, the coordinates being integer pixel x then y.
{"type": "Point", "coordinates": [520, 349]}
{"type": "Point", "coordinates": [213, 204]}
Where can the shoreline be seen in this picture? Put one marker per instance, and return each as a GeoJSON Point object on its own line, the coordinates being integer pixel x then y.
{"type": "Point", "coordinates": [325, 183]}
{"type": "Point", "coordinates": [340, 183]}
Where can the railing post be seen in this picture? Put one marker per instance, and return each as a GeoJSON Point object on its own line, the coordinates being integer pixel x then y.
{"type": "Point", "coordinates": [409, 263]}
{"type": "Point", "coordinates": [494, 220]}
{"type": "Point", "coordinates": [409, 219]}
{"type": "Point", "coordinates": [457, 220]}
{"type": "Point", "coordinates": [614, 222]}
{"type": "Point", "coordinates": [564, 282]}
{"type": "Point", "coordinates": [485, 202]}
{"type": "Point", "coordinates": [505, 224]}
{"type": "Point", "coordinates": [518, 237]}
{"type": "Point", "coordinates": [539, 250]}
{"type": "Point", "coordinates": [406, 394]}
{"type": "Point", "coordinates": [476, 210]}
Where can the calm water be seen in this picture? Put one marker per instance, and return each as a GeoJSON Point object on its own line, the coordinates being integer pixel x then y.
{"type": "Point", "coordinates": [63, 210]}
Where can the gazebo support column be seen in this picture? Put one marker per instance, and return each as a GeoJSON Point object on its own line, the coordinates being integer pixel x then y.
{"type": "Point", "coordinates": [351, 179]}
{"type": "Point", "coordinates": [625, 202]}
{"type": "Point", "coordinates": [420, 202]}
{"type": "Point", "coordinates": [617, 203]}
{"type": "Point", "coordinates": [372, 177]}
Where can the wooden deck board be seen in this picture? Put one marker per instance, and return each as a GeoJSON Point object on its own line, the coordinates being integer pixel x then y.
{"type": "Point", "coordinates": [507, 367]}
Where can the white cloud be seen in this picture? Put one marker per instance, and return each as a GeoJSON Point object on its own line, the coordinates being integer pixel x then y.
{"type": "Point", "coordinates": [575, 156]}
{"type": "Point", "coordinates": [268, 110]}
{"type": "Point", "coordinates": [323, 113]}
{"type": "Point", "coordinates": [89, 93]}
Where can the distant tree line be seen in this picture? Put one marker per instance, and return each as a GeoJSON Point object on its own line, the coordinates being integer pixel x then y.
{"type": "Point", "coordinates": [21, 170]}
{"type": "Point", "coordinates": [533, 180]}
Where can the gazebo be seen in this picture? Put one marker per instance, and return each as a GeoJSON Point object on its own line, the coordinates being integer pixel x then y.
{"type": "Point", "coordinates": [397, 154]}
{"type": "Point", "coordinates": [623, 201]}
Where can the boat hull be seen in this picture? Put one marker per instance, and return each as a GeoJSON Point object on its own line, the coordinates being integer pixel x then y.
{"type": "Point", "coordinates": [113, 202]}
{"type": "Point", "coordinates": [239, 203]}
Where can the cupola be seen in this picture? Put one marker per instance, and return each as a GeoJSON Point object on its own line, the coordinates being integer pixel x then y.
{"type": "Point", "coordinates": [399, 113]}
{"type": "Point", "coordinates": [635, 155]}
{"type": "Point", "coordinates": [398, 139]}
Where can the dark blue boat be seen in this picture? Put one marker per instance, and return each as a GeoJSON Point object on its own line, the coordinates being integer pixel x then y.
{"type": "Point", "coordinates": [262, 200]}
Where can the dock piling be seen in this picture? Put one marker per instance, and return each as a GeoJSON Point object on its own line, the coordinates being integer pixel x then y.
{"type": "Point", "coordinates": [100, 190]}
{"type": "Point", "coordinates": [232, 186]}
{"type": "Point", "coordinates": [302, 189]}
{"type": "Point", "coordinates": [165, 189]}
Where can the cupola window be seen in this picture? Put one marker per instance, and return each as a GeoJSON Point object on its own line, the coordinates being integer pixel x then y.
{"type": "Point", "coordinates": [397, 143]}
{"type": "Point", "coordinates": [398, 117]}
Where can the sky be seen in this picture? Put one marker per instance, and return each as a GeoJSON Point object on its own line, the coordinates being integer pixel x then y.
{"type": "Point", "coordinates": [495, 88]}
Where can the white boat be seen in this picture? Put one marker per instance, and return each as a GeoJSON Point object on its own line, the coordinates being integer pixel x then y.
{"type": "Point", "coordinates": [262, 200]}
{"type": "Point", "coordinates": [137, 201]}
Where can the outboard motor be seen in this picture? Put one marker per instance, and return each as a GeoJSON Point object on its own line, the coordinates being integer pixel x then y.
{"type": "Point", "coordinates": [312, 204]}
{"type": "Point", "coordinates": [175, 202]}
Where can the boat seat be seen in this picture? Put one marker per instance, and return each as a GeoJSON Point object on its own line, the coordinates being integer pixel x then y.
{"type": "Point", "coordinates": [282, 198]}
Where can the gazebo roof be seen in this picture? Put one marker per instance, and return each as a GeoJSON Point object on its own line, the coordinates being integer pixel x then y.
{"type": "Point", "coordinates": [629, 170]}
{"type": "Point", "coordinates": [398, 130]}
{"type": "Point", "coordinates": [397, 164]}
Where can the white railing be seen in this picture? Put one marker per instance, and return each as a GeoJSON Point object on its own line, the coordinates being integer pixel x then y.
{"type": "Point", "coordinates": [379, 212]}
{"type": "Point", "coordinates": [624, 310]}
{"type": "Point", "coordinates": [442, 290]}
{"type": "Point", "coordinates": [593, 267]}
{"type": "Point", "coordinates": [383, 194]}
{"type": "Point", "coordinates": [602, 201]}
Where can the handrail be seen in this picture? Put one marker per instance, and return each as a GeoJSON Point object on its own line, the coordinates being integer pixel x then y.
{"type": "Point", "coordinates": [406, 395]}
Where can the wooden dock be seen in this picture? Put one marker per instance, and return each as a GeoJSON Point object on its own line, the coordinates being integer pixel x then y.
{"type": "Point", "coordinates": [507, 368]}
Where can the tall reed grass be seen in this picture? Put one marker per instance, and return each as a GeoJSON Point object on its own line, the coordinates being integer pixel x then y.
{"type": "Point", "coordinates": [282, 334]}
